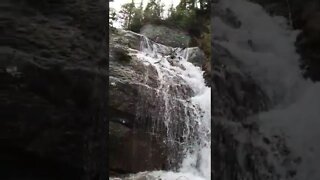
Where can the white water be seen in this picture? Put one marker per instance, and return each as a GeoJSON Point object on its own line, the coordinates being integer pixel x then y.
{"type": "Point", "coordinates": [273, 63]}
{"type": "Point", "coordinates": [197, 159]}
{"type": "Point", "coordinates": [193, 76]}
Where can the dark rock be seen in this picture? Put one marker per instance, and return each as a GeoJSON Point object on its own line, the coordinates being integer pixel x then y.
{"type": "Point", "coordinates": [196, 56]}
{"type": "Point", "coordinates": [133, 151]}
{"type": "Point", "coordinates": [266, 140]}
{"type": "Point", "coordinates": [138, 104]}
{"type": "Point", "coordinates": [53, 91]}
{"type": "Point", "coordinates": [308, 46]}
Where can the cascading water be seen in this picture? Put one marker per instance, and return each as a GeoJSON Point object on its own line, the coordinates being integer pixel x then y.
{"type": "Point", "coordinates": [182, 113]}
{"type": "Point", "coordinates": [265, 45]}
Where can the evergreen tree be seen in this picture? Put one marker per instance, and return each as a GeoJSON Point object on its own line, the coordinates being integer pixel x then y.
{"type": "Point", "coordinates": [153, 11]}
{"type": "Point", "coordinates": [137, 19]}
{"type": "Point", "coordinates": [127, 13]}
{"type": "Point", "coordinates": [190, 15]}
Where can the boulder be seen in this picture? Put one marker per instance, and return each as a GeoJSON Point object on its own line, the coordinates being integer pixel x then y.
{"type": "Point", "coordinates": [165, 35]}
{"type": "Point", "coordinates": [196, 56]}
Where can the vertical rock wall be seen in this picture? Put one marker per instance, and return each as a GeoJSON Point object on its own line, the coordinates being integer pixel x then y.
{"type": "Point", "coordinates": [53, 89]}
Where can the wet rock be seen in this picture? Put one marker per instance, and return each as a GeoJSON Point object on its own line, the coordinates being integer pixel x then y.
{"type": "Point", "coordinates": [134, 151]}
{"type": "Point", "coordinates": [139, 104]}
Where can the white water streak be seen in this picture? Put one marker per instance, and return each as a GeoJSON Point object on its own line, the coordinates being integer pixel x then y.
{"type": "Point", "coordinates": [197, 160]}
{"type": "Point", "coordinates": [273, 63]}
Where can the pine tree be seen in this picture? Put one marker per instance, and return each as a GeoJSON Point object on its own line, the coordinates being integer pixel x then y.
{"type": "Point", "coordinates": [137, 19]}
{"type": "Point", "coordinates": [127, 13]}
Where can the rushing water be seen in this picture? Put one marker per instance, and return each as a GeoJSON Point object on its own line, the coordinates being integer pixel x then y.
{"type": "Point", "coordinates": [265, 45]}
{"type": "Point", "coordinates": [185, 111]}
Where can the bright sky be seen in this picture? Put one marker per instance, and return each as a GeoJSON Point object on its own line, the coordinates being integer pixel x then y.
{"type": "Point", "coordinates": [116, 4]}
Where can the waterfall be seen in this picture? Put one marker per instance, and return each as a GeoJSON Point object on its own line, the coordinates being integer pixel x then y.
{"type": "Point", "coordinates": [179, 108]}
{"type": "Point", "coordinates": [271, 60]}
{"type": "Point", "coordinates": [196, 132]}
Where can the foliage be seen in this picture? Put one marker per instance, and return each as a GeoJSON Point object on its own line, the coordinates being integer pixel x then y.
{"type": "Point", "coordinates": [153, 11]}
{"type": "Point", "coordinates": [192, 16]}
{"type": "Point", "coordinates": [187, 15]}
{"type": "Point", "coordinates": [137, 19]}
{"type": "Point", "coordinates": [126, 13]}
{"type": "Point", "coordinates": [204, 43]}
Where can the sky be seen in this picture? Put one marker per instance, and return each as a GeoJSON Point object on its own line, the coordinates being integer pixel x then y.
{"type": "Point", "coordinates": [116, 4]}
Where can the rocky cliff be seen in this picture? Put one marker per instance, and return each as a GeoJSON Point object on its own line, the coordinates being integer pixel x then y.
{"type": "Point", "coordinates": [131, 151]}
{"type": "Point", "coordinates": [151, 104]}
{"type": "Point", "coordinates": [53, 89]}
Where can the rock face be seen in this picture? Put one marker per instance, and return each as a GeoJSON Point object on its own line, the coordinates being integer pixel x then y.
{"type": "Point", "coordinates": [196, 56]}
{"type": "Point", "coordinates": [134, 151]}
{"type": "Point", "coordinates": [53, 90]}
{"type": "Point", "coordinates": [166, 35]}
{"type": "Point", "coordinates": [308, 44]}
{"type": "Point", "coordinates": [130, 150]}
{"type": "Point", "coordinates": [139, 95]}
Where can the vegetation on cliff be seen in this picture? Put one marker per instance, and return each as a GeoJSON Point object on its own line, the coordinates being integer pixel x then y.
{"type": "Point", "coordinates": [191, 16]}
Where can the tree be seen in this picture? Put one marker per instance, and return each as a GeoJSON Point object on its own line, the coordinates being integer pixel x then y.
{"type": "Point", "coordinates": [136, 23]}
{"type": "Point", "coordinates": [171, 11]}
{"type": "Point", "coordinates": [182, 5]}
{"type": "Point", "coordinates": [190, 15]}
{"type": "Point", "coordinates": [153, 11]}
{"type": "Point", "coordinates": [127, 12]}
